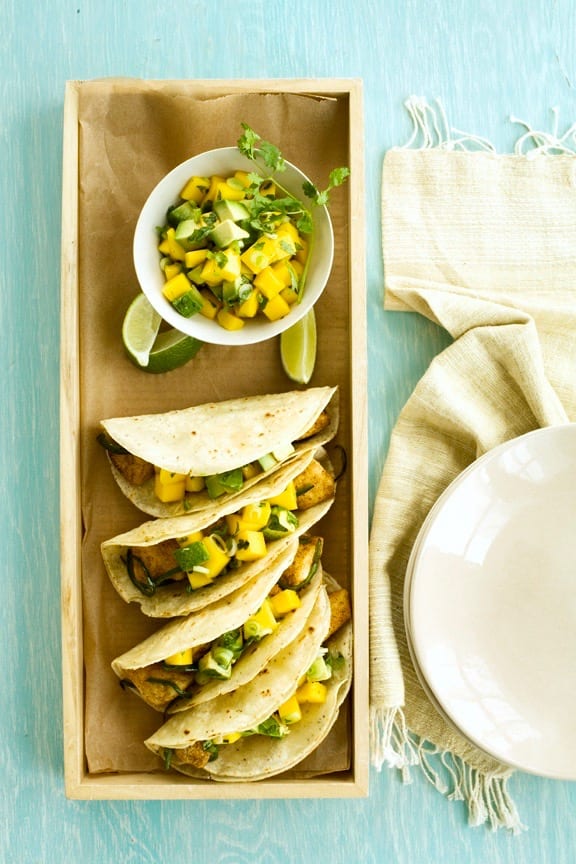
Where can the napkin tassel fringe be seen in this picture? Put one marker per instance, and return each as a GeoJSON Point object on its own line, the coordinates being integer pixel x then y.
{"type": "Point", "coordinates": [431, 130]}
{"type": "Point", "coordinates": [485, 795]}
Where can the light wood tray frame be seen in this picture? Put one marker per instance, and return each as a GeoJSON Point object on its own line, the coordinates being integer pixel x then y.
{"type": "Point", "coordinates": [79, 783]}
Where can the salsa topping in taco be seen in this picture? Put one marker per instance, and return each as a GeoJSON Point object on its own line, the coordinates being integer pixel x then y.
{"type": "Point", "coordinates": [179, 676]}
{"type": "Point", "coordinates": [240, 537]}
{"type": "Point", "coordinates": [184, 460]}
{"type": "Point", "coordinates": [311, 689]}
{"type": "Point", "coordinates": [172, 486]}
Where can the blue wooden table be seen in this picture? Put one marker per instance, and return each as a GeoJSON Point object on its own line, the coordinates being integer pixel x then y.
{"type": "Point", "coordinates": [486, 60]}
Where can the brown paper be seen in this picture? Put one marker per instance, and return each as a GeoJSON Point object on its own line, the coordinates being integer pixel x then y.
{"type": "Point", "coordinates": [130, 134]}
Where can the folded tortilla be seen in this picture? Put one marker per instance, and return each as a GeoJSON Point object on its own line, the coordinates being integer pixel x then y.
{"type": "Point", "coordinates": [256, 756]}
{"type": "Point", "coordinates": [219, 437]}
{"type": "Point", "coordinates": [174, 598]}
{"type": "Point", "coordinates": [259, 757]}
{"type": "Point", "coordinates": [143, 663]}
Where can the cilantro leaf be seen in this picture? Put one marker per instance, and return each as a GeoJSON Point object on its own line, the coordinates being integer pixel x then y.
{"type": "Point", "coordinates": [248, 141]}
{"type": "Point", "coordinates": [253, 146]}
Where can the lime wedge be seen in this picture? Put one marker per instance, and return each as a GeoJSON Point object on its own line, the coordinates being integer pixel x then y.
{"type": "Point", "coordinates": [150, 349]}
{"type": "Point", "coordinates": [298, 349]}
{"type": "Point", "coordinates": [139, 329]}
{"type": "Point", "coordinates": [171, 350]}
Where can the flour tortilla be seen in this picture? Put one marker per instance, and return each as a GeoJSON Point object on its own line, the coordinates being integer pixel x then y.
{"type": "Point", "coordinates": [209, 624]}
{"type": "Point", "coordinates": [173, 599]}
{"type": "Point", "coordinates": [258, 757]}
{"type": "Point", "coordinates": [247, 706]}
{"type": "Point", "coordinates": [260, 653]}
{"type": "Point", "coordinates": [217, 437]}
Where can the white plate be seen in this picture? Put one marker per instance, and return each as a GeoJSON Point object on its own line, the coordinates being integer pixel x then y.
{"type": "Point", "coordinates": [491, 602]}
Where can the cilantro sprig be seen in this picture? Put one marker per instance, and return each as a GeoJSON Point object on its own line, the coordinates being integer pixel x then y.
{"type": "Point", "coordinates": [253, 146]}
{"type": "Point", "coordinates": [336, 178]}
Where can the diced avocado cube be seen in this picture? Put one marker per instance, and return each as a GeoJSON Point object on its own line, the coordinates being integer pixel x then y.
{"type": "Point", "coordinates": [190, 303]}
{"type": "Point", "coordinates": [234, 210]}
{"type": "Point", "coordinates": [228, 481]}
{"type": "Point", "coordinates": [283, 452]}
{"type": "Point", "coordinates": [178, 214]}
{"type": "Point", "coordinates": [184, 232]}
{"type": "Point", "coordinates": [267, 461]}
{"type": "Point", "coordinates": [192, 555]}
{"type": "Point", "coordinates": [226, 232]}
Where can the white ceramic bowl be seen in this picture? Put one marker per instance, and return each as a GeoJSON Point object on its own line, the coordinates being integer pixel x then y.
{"type": "Point", "coordinates": [225, 161]}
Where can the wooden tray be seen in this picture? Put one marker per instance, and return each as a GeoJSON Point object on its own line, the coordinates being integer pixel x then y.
{"type": "Point", "coordinates": [120, 135]}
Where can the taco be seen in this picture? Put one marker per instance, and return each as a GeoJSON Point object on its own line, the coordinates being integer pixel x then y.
{"type": "Point", "coordinates": [172, 567]}
{"type": "Point", "coordinates": [183, 461]}
{"type": "Point", "coordinates": [194, 659]}
{"type": "Point", "coordinates": [274, 721]}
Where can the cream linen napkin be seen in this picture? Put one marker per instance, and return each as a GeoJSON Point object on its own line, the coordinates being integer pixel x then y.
{"type": "Point", "coordinates": [485, 246]}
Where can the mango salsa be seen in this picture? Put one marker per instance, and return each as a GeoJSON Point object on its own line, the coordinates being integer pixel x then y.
{"type": "Point", "coordinates": [231, 250]}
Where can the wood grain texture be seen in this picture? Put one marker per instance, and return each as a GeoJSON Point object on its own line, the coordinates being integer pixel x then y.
{"type": "Point", "coordinates": [486, 60]}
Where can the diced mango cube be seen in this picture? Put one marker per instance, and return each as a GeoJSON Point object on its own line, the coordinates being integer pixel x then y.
{"type": "Point", "coordinates": [195, 257]}
{"type": "Point", "coordinates": [242, 177]}
{"type": "Point", "coordinates": [301, 250]}
{"type": "Point", "coordinates": [211, 305]}
{"type": "Point", "coordinates": [251, 470]}
{"type": "Point", "coordinates": [228, 320]}
{"type": "Point", "coordinates": [251, 545]}
{"type": "Point", "coordinates": [176, 287]}
{"type": "Point", "coordinates": [181, 658]}
{"type": "Point", "coordinates": [262, 620]}
{"type": "Point", "coordinates": [276, 308]}
{"type": "Point", "coordinates": [281, 270]}
{"type": "Point", "coordinates": [255, 516]}
{"type": "Point", "coordinates": [175, 250]}
{"type": "Point", "coordinates": [268, 188]}
{"type": "Point", "coordinates": [290, 229]}
{"type": "Point", "coordinates": [289, 712]}
{"type": "Point", "coordinates": [223, 267]}
{"type": "Point", "coordinates": [249, 307]}
{"type": "Point", "coordinates": [171, 270]}
{"type": "Point", "coordinates": [194, 484]}
{"type": "Point", "coordinates": [287, 498]}
{"type": "Point", "coordinates": [233, 523]}
{"type": "Point", "coordinates": [260, 254]}
{"type": "Point", "coordinates": [268, 283]}
{"type": "Point", "coordinates": [229, 738]}
{"type": "Point", "coordinates": [195, 189]}
{"type": "Point", "coordinates": [230, 191]}
{"type": "Point", "coordinates": [170, 491]}
{"type": "Point", "coordinates": [217, 560]}
{"type": "Point", "coordinates": [285, 247]}
{"type": "Point", "coordinates": [191, 538]}
{"type": "Point", "coordinates": [212, 192]}
{"type": "Point", "coordinates": [284, 602]}
{"type": "Point", "coordinates": [289, 296]}
{"type": "Point", "coordinates": [312, 691]}
{"type": "Point", "coordinates": [199, 580]}
{"type": "Point", "coordinates": [167, 477]}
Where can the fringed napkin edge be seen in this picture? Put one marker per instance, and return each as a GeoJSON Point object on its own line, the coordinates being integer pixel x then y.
{"type": "Point", "coordinates": [485, 794]}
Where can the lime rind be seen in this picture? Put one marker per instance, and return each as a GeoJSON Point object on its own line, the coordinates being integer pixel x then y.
{"type": "Point", "coordinates": [298, 349]}
{"type": "Point", "coordinates": [171, 350]}
{"type": "Point", "coordinates": [147, 346]}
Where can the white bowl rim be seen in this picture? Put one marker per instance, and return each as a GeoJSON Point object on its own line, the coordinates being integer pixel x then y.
{"type": "Point", "coordinates": [146, 262]}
